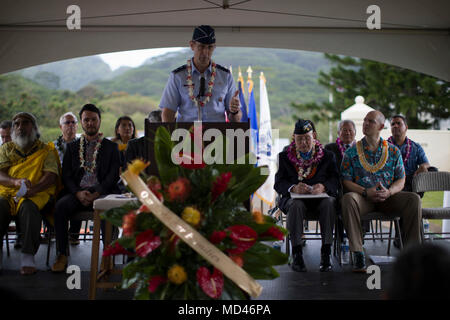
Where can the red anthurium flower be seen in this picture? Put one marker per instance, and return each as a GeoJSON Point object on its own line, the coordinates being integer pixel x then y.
{"type": "Point", "coordinates": [154, 282]}
{"type": "Point", "coordinates": [243, 237]}
{"type": "Point", "coordinates": [217, 236]}
{"type": "Point", "coordinates": [273, 232]}
{"type": "Point", "coordinates": [188, 161]}
{"type": "Point", "coordinates": [129, 223]}
{"type": "Point", "coordinates": [115, 249]}
{"type": "Point", "coordinates": [220, 185]}
{"type": "Point", "coordinates": [211, 284]}
{"type": "Point", "coordinates": [146, 242]}
{"type": "Point", "coordinates": [179, 190]}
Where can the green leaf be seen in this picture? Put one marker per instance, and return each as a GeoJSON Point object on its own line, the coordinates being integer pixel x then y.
{"type": "Point", "coordinates": [265, 255]}
{"type": "Point", "coordinates": [168, 171]}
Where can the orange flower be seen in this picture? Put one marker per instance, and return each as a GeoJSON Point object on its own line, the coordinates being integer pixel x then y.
{"type": "Point", "coordinates": [237, 259]}
{"type": "Point", "coordinates": [129, 223]}
{"type": "Point", "coordinates": [179, 190]}
{"type": "Point", "coordinates": [258, 217]}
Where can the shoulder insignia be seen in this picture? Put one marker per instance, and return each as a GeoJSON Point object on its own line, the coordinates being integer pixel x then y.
{"type": "Point", "coordinates": [180, 68]}
{"type": "Point", "coordinates": [222, 68]}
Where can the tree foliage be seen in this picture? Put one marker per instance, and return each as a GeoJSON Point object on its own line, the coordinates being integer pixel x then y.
{"type": "Point", "coordinates": [423, 99]}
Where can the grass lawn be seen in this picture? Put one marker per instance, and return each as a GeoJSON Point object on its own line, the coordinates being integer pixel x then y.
{"type": "Point", "coordinates": [433, 199]}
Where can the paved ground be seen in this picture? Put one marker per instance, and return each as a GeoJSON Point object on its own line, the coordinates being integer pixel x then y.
{"type": "Point", "coordinates": [340, 284]}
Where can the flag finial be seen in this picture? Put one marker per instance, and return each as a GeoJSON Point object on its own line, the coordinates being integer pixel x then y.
{"type": "Point", "coordinates": [249, 72]}
{"type": "Point", "coordinates": [262, 77]}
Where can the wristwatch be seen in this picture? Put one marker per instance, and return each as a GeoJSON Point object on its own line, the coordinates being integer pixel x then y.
{"type": "Point", "coordinates": [233, 113]}
{"type": "Point", "coordinates": [364, 193]}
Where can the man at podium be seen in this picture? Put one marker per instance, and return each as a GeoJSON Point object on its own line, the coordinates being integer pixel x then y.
{"type": "Point", "coordinates": [200, 90]}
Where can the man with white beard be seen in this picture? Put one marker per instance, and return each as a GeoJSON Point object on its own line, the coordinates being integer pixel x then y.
{"type": "Point", "coordinates": [29, 176]}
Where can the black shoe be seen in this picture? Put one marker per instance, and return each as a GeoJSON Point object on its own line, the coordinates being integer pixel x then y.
{"type": "Point", "coordinates": [298, 264]}
{"type": "Point", "coordinates": [325, 263]}
{"type": "Point", "coordinates": [359, 262]}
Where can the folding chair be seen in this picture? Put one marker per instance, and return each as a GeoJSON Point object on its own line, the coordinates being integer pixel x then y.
{"type": "Point", "coordinates": [433, 181]}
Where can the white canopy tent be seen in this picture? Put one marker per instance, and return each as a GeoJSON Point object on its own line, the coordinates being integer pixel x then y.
{"type": "Point", "coordinates": [413, 35]}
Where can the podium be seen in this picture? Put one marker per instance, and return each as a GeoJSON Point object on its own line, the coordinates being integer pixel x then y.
{"type": "Point", "coordinates": [228, 129]}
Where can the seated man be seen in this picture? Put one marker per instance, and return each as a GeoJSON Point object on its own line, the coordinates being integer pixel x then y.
{"type": "Point", "coordinates": [305, 168]}
{"type": "Point", "coordinates": [5, 131]}
{"type": "Point", "coordinates": [26, 164]}
{"type": "Point", "coordinates": [414, 158]}
{"type": "Point", "coordinates": [90, 170]}
{"type": "Point", "coordinates": [68, 123]}
{"type": "Point", "coordinates": [373, 172]}
{"type": "Point", "coordinates": [138, 148]}
{"type": "Point", "coordinates": [345, 139]}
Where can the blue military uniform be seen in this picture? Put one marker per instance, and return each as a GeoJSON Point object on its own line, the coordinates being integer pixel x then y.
{"type": "Point", "coordinates": [176, 94]}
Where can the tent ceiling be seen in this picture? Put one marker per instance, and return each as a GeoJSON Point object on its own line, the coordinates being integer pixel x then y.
{"type": "Point", "coordinates": [414, 34]}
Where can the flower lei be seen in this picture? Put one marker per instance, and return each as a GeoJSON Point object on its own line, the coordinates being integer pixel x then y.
{"type": "Point", "coordinates": [83, 165]}
{"type": "Point", "coordinates": [366, 165]}
{"type": "Point", "coordinates": [306, 169]}
{"type": "Point", "coordinates": [59, 144]}
{"type": "Point", "coordinates": [341, 146]}
{"type": "Point", "coordinates": [408, 148]}
{"type": "Point", "coordinates": [190, 85]}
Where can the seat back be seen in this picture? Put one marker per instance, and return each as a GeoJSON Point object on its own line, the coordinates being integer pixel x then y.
{"type": "Point", "coordinates": [431, 181]}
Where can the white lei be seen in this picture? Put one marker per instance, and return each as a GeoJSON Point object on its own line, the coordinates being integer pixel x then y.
{"type": "Point", "coordinates": [191, 85]}
{"type": "Point", "coordinates": [83, 165]}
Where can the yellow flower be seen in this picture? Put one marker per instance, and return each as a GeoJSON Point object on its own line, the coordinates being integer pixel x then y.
{"type": "Point", "coordinates": [137, 166]}
{"type": "Point", "coordinates": [258, 217]}
{"type": "Point", "coordinates": [191, 216]}
{"type": "Point", "coordinates": [122, 146]}
{"type": "Point", "coordinates": [176, 274]}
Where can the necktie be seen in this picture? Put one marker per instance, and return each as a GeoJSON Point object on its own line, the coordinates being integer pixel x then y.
{"type": "Point", "coordinates": [201, 91]}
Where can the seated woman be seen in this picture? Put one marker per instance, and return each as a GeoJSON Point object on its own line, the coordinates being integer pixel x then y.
{"type": "Point", "coordinates": [125, 130]}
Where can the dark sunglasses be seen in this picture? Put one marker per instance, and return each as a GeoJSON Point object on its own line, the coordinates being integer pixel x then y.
{"type": "Point", "coordinates": [70, 122]}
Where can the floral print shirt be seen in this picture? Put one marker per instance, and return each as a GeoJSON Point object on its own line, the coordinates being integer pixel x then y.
{"type": "Point", "coordinates": [352, 169]}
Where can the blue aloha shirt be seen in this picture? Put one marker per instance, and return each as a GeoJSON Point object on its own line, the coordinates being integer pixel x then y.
{"type": "Point", "coordinates": [416, 157]}
{"type": "Point", "coordinates": [352, 169]}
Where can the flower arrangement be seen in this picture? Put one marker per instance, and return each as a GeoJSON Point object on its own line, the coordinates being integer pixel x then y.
{"type": "Point", "coordinates": [210, 199]}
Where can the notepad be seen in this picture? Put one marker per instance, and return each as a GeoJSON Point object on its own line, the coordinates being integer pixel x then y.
{"type": "Point", "coordinates": [308, 196]}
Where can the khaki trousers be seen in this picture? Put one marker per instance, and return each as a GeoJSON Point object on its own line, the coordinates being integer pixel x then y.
{"type": "Point", "coordinates": [406, 205]}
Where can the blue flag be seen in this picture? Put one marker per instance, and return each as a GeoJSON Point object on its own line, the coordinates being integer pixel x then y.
{"type": "Point", "coordinates": [253, 123]}
{"type": "Point", "coordinates": [243, 104]}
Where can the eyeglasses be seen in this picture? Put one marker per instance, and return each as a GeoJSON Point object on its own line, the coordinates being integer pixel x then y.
{"type": "Point", "coordinates": [70, 122]}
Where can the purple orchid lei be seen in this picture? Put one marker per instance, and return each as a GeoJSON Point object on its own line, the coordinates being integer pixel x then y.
{"type": "Point", "coordinates": [299, 162]}
{"type": "Point", "coordinates": [408, 148]}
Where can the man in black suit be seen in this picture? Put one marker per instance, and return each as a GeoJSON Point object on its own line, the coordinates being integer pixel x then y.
{"type": "Point", "coordinates": [345, 139]}
{"type": "Point", "coordinates": [90, 170]}
{"type": "Point", "coordinates": [307, 169]}
{"type": "Point", "coordinates": [138, 148]}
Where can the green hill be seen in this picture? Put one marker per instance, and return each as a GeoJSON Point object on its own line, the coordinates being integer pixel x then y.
{"type": "Point", "coordinates": [291, 75]}
{"type": "Point", "coordinates": [72, 74]}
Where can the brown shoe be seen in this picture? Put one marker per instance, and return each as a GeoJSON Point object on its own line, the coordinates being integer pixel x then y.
{"type": "Point", "coordinates": [26, 271]}
{"type": "Point", "coordinates": [60, 264]}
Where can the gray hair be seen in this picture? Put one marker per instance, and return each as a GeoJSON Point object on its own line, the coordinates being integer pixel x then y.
{"type": "Point", "coordinates": [155, 116]}
{"type": "Point", "coordinates": [342, 122]}
{"type": "Point", "coordinates": [61, 119]}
